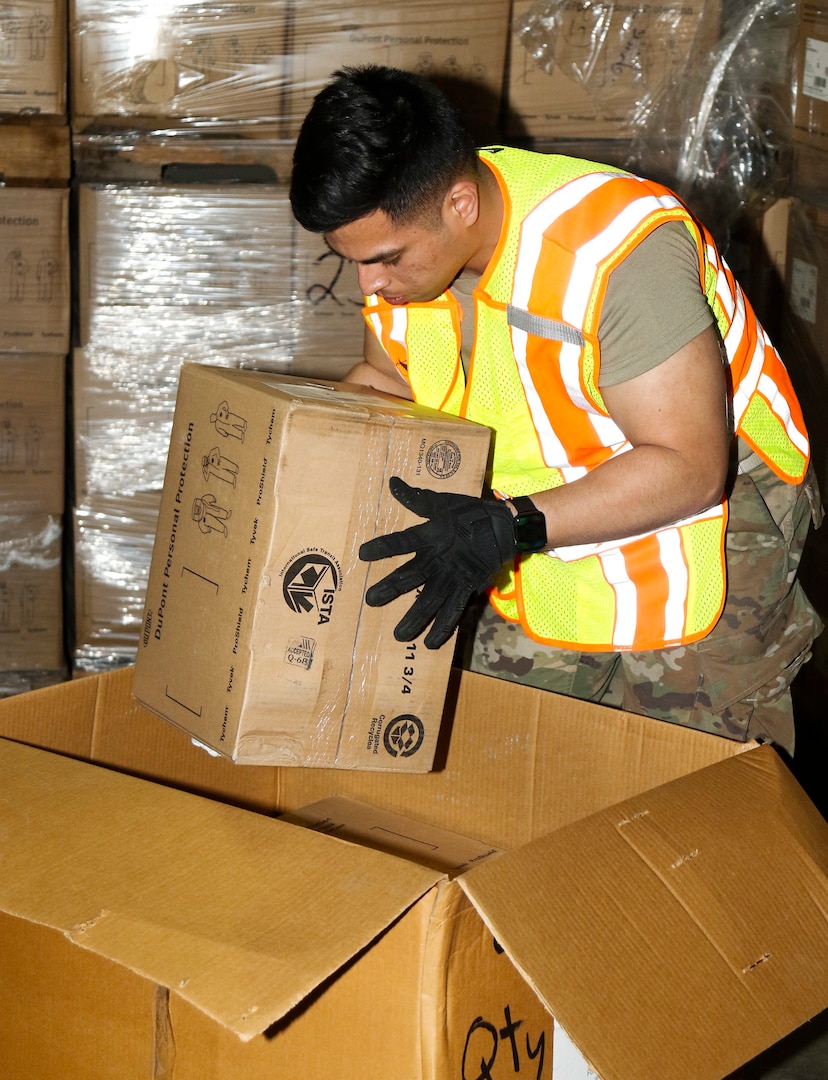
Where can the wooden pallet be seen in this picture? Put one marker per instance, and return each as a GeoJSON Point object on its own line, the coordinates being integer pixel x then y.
{"type": "Point", "coordinates": [33, 154]}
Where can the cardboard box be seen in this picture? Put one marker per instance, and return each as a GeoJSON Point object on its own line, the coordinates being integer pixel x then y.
{"type": "Point", "coordinates": [806, 282]}
{"type": "Point", "coordinates": [809, 174]}
{"type": "Point", "coordinates": [31, 608]}
{"type": "Point", "coordinates": [367, 825]}
{"type": "Point", "coordinates": [192, 64]}
{"type": "Point", "coordinates": [465, 56]}
{"type": "Point", "coordinates": [811, 114]}
{"type": "Point", "coordinates": [32, 429]}
{"type": "Point", "coordinates": [34, 256]}
{"type": "Point", "coordinates": [581, 70]}
{"type": "Point", "coordinates": [634, 850]}
{"type": "Point", "coordinates": [33, 57]}
{"type": "Point", "coordinates": [256, 638]}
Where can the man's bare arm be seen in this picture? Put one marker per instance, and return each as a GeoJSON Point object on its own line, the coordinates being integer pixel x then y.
{"type": "Point", "coordinates": [675, 417]}
{"type": "Point", "coordinates": [378, 371]}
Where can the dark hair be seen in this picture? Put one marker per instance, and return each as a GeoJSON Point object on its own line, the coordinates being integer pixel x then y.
{"type": "Point", "coordinates": [377, 138]}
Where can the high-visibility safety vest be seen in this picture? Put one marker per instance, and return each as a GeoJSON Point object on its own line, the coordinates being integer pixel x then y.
{"type": "Point", "coordinates": [533, 379]}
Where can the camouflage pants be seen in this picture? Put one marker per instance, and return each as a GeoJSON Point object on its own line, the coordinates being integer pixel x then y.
{"type": "Point", "coordinates": [735, 682]}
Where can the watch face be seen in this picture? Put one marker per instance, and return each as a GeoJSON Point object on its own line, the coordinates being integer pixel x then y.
{"type": "Point", "coordinates": [530, 532]}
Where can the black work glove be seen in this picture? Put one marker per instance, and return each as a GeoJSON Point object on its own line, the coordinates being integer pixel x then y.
{"type": "Point", "coordinates": [456, 553]}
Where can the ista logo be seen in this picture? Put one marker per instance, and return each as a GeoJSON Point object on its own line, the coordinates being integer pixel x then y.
{"type": "Point", "coordinates": [310, 585]}
{"type": "Point", "coordinates": [404, 735]}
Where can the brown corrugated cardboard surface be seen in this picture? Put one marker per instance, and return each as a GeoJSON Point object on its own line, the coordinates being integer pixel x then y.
{"type": "Point", "coordinates": [586, 68]}
{"type": "Point", "coordinates": [272, 484]}
{"type": "Point", "coordinates": [465, 55]}
{"type": "Point", "coordinates": [31, 592]}
{"type": "Point", "coordinates": [811, 115]}
{"type": "Point", "coordinates": [33, 57]}
{"type": "Point", "coordinates": [34, 254]}
{"type": "Point", "coordinates": [679, 895]}
{"type": "Point", "coordinates": [674, 934]}
{"type": "Point", "coordinates": [32, 430]}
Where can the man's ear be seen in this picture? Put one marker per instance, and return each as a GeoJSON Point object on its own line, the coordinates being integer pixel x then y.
{"type": "Point", "coordinates": [463, 202]}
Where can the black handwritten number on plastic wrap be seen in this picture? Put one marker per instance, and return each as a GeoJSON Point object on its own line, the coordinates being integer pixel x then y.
{"type": "Point", "coordinates": [318, 292]}
{"type": "Point", "coordinates": [508, 1033]}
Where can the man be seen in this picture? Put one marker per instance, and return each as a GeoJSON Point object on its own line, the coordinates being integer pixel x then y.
{"type": "Point", "coordinates": [650, 485]}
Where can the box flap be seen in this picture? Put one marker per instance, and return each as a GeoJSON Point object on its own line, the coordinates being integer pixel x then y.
{"type": "Point", "coordinates": [398, 834]}
{"type": "Point", "coordinates": [679, 933]}
{"type": "Point", "coordinates": [240, 914]}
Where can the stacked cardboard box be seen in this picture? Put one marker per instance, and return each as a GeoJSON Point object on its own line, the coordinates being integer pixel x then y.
{"type": "Point", "coordinates": [193, 64]}
{"type": "Point", "coordinates": [466, 56]}
{"type": "Point", "coordinates": [810, 164]}
{"type": "Point", "coordinates": [272, 484]}
{"type": "Point", "coordinates": [34, 340]}
{"type": "Point", "coordinates": [227, 66]}
{"type": "Point", "coordinates": [33, 58]}
{"type": "Point", "coordinates": [210, 940]}
{"type": "Point", "coordinates": [581, 71]}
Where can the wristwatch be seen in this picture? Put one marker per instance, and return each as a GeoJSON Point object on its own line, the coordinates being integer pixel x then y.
{"type": "Point", "coordinates": [529, 525]}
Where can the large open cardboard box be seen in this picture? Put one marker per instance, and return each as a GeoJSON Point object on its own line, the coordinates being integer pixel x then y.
{"type": "Point", "coordinates": [662, 894]}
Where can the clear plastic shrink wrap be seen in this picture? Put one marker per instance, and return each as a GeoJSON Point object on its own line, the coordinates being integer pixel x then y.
{"type": "Point", "coordinates": [721, 133]}
{"type": "Point", "coordinates": [703, 94]}
{"type": "Point", "coordinates": [196, 62]}
{"type": "Point", "coordinates": [605, 48]}
{"type": "Point", "coordinates": [31, 617]}
{"type": "Point", "coordinates": [166, 275]}
{"type": "Point", "coordinates": [577, 69]}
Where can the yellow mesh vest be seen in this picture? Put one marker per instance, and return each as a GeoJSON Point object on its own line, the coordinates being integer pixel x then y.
{"type": "Point", "coordinates": [568, 602]}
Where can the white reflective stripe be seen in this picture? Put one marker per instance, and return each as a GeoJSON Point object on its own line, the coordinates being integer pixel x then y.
{"type": "Point", "coordinates": [725, 298]}
{"type": "Point", "coordinates": [750, 379]}
{"type": "Point", "coordinates": [573, 472]}
{"type": "Point", "coordinates": [626, 598]}
{"type": "Point", "coordinates": [536, 223]}
{"type": "Point", "coordinates": [780, 408]}
{"type": "Point", "coordinates": [573, 552]}
{"type": "Point", "coordinates": [672, 557]}
{"type": "Point", "coordinates": [376, 323]}
{"type": "Point", "coordinates": [570, 358]}
{"type": "Point", "coordinates": [609, 432]}
{"type": "Point", "coordinates": [399, 324]}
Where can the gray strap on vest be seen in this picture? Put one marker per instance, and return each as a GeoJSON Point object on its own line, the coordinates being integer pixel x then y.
{"type": "Point", "coordinates": [749, 463]}
{"type": "Point", "coordinates": [540, 326]}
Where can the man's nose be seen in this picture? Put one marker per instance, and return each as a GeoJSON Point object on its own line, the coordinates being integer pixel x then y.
{"type": "Point", "coordinates": [372, 277]}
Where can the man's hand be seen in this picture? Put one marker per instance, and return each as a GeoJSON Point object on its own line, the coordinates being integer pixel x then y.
{"type": "Point", "coordinates": [456, 552]}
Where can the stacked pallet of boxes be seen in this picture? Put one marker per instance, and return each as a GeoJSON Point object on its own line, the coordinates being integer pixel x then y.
{"type": "Point", "coordinates": [34, 339]}
{"type": "Point", "coordinates": [806, 284]}
{"type": "Point", "coordinates": [183, 119]}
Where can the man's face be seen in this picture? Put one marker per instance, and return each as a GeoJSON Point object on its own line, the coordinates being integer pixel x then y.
{"type": "Point", "coordinates": [404, 264]}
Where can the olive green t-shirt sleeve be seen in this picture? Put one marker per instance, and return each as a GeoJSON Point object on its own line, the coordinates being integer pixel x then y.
{"type": "Point", "coordinates": [653, 306]}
